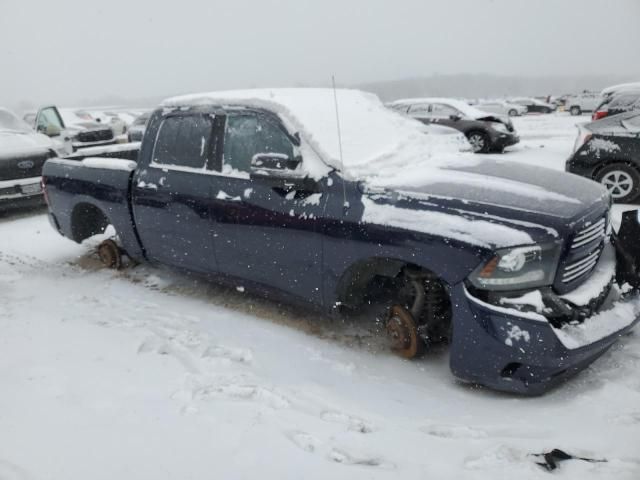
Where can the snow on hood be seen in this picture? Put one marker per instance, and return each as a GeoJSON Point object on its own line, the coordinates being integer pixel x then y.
{"type": "Point", "coordinates": [74, 122]}
{"type": "Point", "coordinates": [372, 135]}
{"type": "Point", "coordinates": [23, 143]}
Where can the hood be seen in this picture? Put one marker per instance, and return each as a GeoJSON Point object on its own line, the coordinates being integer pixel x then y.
{"type": "Point", "coordinates": [84, 126]}
{"type": "Point", "coordinates": [491, 204]}
{"type": "Point", "coordinates": [512, 186]}
{"type": "Point", "coordinates": [614, 125]}
{"type": "Point", "coordinates": [23, 143]}
{"type": "Point", "coordinates": [492, 117]}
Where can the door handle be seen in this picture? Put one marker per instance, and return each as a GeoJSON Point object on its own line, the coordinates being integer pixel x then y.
{"type": "Point", "coordinates": [146, 185]}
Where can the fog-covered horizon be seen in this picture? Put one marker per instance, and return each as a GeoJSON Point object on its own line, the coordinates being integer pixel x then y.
{"type": "Point", "coordinates": [69, 52]}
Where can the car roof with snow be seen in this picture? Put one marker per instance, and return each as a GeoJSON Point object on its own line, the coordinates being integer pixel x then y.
{"type": "Point", "coordinates": [370, 132]}
{"type": "Point", "coordinates": [464, 107]}
{"type": "Point", "coordinates": [623, 87]}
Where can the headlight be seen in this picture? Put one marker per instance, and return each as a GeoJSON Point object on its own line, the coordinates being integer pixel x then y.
{"type": "Point", "coordinates": [518, 268]}
{"type": "Point", "coordinates": [500, 127]}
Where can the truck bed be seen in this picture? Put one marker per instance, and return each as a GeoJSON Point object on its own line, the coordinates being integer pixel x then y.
{"type": "Point", "coordinates": [87, 195]}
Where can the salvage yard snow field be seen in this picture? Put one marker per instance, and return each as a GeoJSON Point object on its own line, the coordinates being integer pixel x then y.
{"type": "Point", "coordinates": [149, 374]}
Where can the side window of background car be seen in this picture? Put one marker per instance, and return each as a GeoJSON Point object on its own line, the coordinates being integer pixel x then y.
{"type": "Point", "coordinates": [48, 118]}
{"type": "Point", "coordinates": [184, 141]}
{"type": "Point", "coordinates": [419, 110]}
{"type": "Point", "coordinates": [443, 111]}
{"type": "Point", "coordinates": [248, 135]}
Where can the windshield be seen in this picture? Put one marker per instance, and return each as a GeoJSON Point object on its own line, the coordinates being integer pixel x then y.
{"type": "Point", "coordinates": [9, 121]}
{"type": "Point", "coordinates": [142, 119]}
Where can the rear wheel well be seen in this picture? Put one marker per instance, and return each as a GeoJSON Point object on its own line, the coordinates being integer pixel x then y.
{"type": "Point", "coordinates": [87, 220]}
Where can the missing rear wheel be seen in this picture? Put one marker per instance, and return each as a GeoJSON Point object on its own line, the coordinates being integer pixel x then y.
{"type": "Point", "coordinates": [110, 254]}
{"type": "Point", "coordinates": [403, 333]}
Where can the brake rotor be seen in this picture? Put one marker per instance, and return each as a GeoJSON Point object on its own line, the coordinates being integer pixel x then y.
{"type": "Point", "coordinates": [403, 333]}
{"type": "Point", "coordinates": [109, 254]}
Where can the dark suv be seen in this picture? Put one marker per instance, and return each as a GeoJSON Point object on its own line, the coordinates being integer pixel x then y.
{"type": "Point", "coordinates": [608, 151]}
{"type": "Point", "coordinates": [617, 103]}
{"type": "Point", "coordinates": [486, 132]}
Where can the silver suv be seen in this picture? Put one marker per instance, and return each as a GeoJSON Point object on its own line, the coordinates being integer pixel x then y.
{"type": "Point", "coordinates": [582, 102]}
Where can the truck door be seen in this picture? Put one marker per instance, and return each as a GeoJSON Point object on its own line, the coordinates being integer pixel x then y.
{"type": "Point", "coordinates": [171, 203]}
{"type": "Point", "coordinates": [266, 234]}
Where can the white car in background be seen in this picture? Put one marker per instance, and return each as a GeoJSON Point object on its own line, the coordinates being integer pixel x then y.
{"type": "Point", "coordinates": [533, 104]}
{"type": "Point", "coordinates": [502, 107]}
{"type": "Point", "coordinates": [582, 102]}
{"type": "Point", "coordinates": [22, 155]}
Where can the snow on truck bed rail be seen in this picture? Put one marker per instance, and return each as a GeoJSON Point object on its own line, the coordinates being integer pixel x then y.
{"type": "Point", "coordinates": [109, 163]}
{"type": "Point", "coordinates": [372, 135]}
{"type": "Point", "coordinates": [99, 162]}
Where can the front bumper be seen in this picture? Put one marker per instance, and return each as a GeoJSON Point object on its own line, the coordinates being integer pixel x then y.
{"type": "Point", "coordinates": [522, 352]}
{"type": "Point", "coordinates": [79, 145]}
{"type": "Point", "coordinates": [511, 351]}
{"type": "Point", "coordinates": [501, 140]}
{"type": "Point", "coordinates": [20, 192]}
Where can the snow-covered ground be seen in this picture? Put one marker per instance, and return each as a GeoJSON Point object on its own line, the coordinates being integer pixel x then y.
{"type": "Point", "coordinates": [148, 374]}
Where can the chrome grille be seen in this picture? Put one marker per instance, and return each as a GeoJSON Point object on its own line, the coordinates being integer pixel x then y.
{"type": "Point", "coordinates": [590, 239]}
{"type": "Point", "coordinates": [576, 269]}
{"type": "Point", "coordinates": [590, 234]}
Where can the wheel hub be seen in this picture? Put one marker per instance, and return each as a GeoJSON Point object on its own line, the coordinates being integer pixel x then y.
{"type": "Point", "coordinates": [109, 254]}
{"type": "Point", "coordinates": [618, 182]}
{"type": "Point", "coordinates": [403, 333]}
{"type": "Point", "coordinates": [477, 142]}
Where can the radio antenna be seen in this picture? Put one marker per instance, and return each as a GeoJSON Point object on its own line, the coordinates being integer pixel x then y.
{"type": "Point", "coordinates": [335, 100]}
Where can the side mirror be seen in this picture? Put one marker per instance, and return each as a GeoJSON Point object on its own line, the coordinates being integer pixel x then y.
{"type": "Point", "coordinates": [279, 171]}
{"type": "Point", "coordinates": [274, 163]}
{"type": "Point", "coordinates": [454, 117]}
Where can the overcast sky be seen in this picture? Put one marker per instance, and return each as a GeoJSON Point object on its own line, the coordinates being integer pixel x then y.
{"type": "Point", "coordinates": [66, 50]}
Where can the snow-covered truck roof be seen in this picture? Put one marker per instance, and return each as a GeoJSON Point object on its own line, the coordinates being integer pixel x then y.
{"type": "Point", "coordinates": [371, 133]}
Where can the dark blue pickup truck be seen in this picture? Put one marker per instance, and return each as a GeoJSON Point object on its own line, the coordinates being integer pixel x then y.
{"type": "Point", "coordinates": [327, 198]}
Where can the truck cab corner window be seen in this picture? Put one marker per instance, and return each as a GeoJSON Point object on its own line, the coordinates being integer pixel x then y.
{"type": "Point", "coordinates": [184, 141]}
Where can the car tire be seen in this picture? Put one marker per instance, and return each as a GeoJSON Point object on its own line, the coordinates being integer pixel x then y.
{"type": "Point", "coordinates": [480, 141]}
{"type": "Point", "coordinates": [575, 111]}
{"type": "Point", "coordinates": [621, 180]}
{"type": "Point", "coordinates": [513, 112]}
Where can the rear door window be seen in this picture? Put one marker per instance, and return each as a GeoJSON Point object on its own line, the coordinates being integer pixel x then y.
{"type": "Point", "coordinates": [443, 111]}
{"type": "Point", "coordinates": [419, 110]}
{"type": "Point", "coordinates": [184, 141]}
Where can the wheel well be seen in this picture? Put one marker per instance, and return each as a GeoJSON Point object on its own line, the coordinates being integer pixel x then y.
{"type": "Point", "coordinates": [475, 130]}
{"type": "Point", "coordinates": [384, 282]}
{"type": "Point", "coordinates": [87, 220]}
{"type": "Point", "coordinates": [356, 281]}
{"type": "Point", "coordinates": [609, 163]}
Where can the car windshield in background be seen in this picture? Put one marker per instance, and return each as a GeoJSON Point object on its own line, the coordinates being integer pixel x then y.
{"type": "Point", "coordinates": [142, 119]}
{"type": "Point", "coordinates": [8, 121]}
